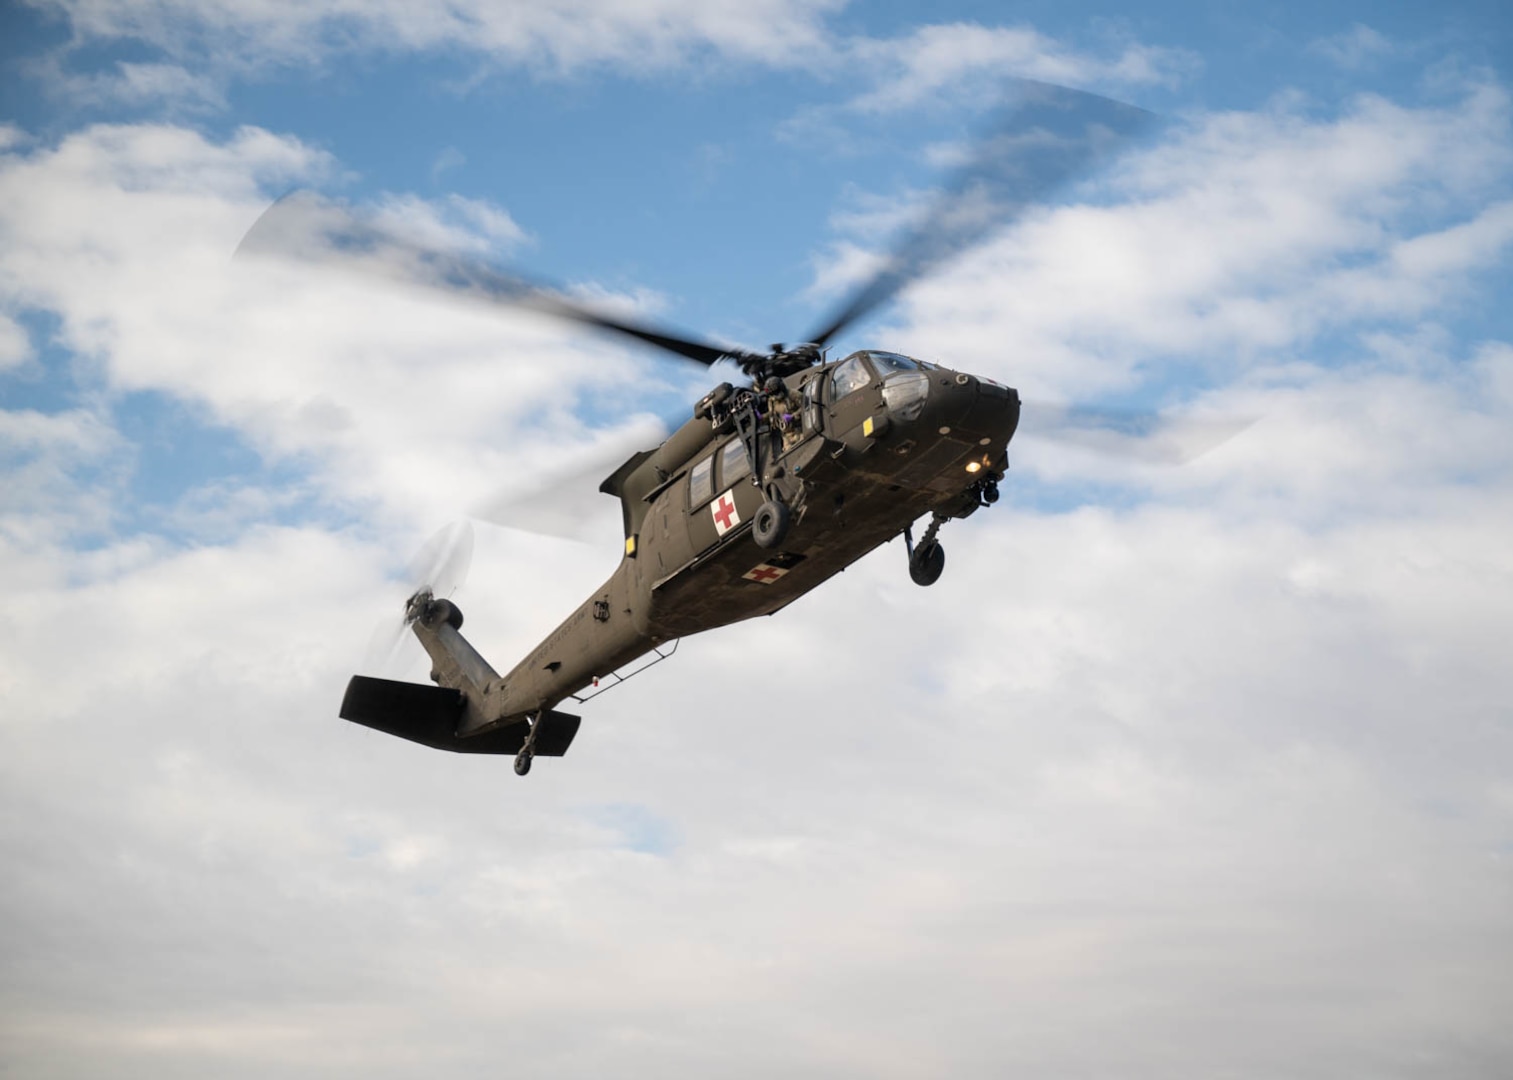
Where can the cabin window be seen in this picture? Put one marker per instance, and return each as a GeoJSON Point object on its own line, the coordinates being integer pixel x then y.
{"type": "Point", "coordinates": [850, 377]}
{"type": "Point", "coordinates": [701, 482]}
{"type": "Point", "coordinates": [733, 463]}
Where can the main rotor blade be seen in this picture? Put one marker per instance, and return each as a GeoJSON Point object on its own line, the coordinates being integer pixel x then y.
{"type": "Point", "coordinates": [306, 227]}
{"type": "Point", "coordinates": [1045, 137]}
{"type": "Point", "coordinates": [1150, 438]}
{"type": "Point", "coordinates": [566, 502]}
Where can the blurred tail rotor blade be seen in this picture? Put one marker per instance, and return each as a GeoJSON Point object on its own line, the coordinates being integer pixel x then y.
{"type": "Point", "coordinates": [386, 647]}
{"type": "Point", "coordinates": [441, 565]}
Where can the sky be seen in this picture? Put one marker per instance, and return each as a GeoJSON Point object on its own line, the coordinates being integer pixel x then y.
{"type": "Point", "coordinates": [1200, 769]}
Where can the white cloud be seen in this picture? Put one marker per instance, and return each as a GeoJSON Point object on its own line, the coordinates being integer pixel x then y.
{"type": "Point", "coordinates": [1357, 48]}
{"type": "Point", "coordinates": [1225, 769]}
{"type": "Point", "coordinates": [543, 36]}
{"type": "Point", "coordinates": [1241, 235]}
{"type": "Point", "coordinates": [15, 343]}
{"type": "Point", "coordinates": [456, 223]}
{"type": "Point", "coordinates": [449, 159]}
{"type": "Point", "coordinates": [844, 266]}
{"type": "Point", "coordinates": [946, 61]}
{"type": "Point", "coordinates": [135, 85]}
{"type": "Point", "coordinates": [868, 214]}
{"type": "Point", "coordinates": [1147, 760]}
{"type": "Point", "coordinates": [1365, 439]}
{"type": "Point", "coordinates": [43, 456]}
{"type": "Point", "coordinates": [389, 395]}
{"type": "Point", "coordinates": [933, 61]}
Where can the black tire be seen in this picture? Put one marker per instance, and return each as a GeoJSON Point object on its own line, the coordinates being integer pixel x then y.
{"type": "Point", "coordinates": [927, 564]}
{"type": "Point", "coordinates": [522, 763]}
{"type": "Point", "coordinates": [770, 527]}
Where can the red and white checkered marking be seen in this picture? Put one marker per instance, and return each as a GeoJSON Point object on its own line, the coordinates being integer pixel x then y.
{"type": "Point", "coordinates": [726, 517]}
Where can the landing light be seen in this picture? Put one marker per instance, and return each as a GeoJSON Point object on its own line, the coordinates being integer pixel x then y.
{"type": "Point", "coordinates": [973, 466]}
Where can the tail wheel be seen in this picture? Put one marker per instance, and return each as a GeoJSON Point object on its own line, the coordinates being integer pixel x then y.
{"type": "Point", "coordinates": [770, 527]}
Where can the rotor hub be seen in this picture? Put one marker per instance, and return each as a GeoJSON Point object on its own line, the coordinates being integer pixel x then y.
{"type": "Point", "coordinates": [781, 361]}
{"type": "Point", "coordinates": [419, 605]}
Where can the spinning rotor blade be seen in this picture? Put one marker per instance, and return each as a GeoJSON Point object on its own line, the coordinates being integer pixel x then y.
{"type": "Point", "coordinates": [1134, 435]}
{"type": "Point", "coordinates": [305, 227]}
{"type": "Point", "coordinates": [440, 568]}
{"type": "Point", "coordinates": [566, 502]}
{"type": "Point", "coordinates": [1047, 136]}
{"type": "Point", "coordinates": [441, 565]}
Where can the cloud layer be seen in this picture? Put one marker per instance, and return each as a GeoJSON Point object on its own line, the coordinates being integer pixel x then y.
{"type": "Point", "coordinates": [1199, 770]}
{"type": "Point", "coordinates": [201, 47]}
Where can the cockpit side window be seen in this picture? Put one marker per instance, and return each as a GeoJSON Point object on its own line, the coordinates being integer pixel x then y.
{"type": "Point", "coordinates": [811, 405]}
{"type": "Point", "coordinates": [850, 377]}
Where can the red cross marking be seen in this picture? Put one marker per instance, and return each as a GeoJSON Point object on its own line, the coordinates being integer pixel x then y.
{"type": "Point", "coordinates": [765, 574]}
{"type": "Point", "coordinates": [724, 510]}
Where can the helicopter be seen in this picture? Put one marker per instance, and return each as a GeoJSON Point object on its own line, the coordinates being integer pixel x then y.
{"type": "Point", "coordinates": [770, 487]}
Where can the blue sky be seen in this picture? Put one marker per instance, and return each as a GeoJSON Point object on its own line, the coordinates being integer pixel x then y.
{"type": "Point", "coordinates": [712, 180]}
{"type": "Point", "coordinates": [1213, 757]}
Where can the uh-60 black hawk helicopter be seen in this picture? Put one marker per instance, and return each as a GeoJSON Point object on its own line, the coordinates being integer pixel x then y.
{"type": "Point", "coordinates": [770, 487]}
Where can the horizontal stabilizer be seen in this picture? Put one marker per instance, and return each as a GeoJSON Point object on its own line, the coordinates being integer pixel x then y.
{"type": "Point", "coordinates": [554, 733]}
{"type": "Point", "coordinates": [428, 715]}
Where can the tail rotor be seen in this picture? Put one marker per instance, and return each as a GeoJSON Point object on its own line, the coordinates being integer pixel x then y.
{"type": "Point", "coordinates": [433, 574]}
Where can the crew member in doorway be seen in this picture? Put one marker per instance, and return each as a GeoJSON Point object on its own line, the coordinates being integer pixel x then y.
{"type": "Point", "coordinates": [783, 410]}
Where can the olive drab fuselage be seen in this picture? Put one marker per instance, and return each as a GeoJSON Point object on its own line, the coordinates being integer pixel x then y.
{"type": "Point", "coordinates": [730, 518]}
{"type": "Point", "coordinates": [882, 441]}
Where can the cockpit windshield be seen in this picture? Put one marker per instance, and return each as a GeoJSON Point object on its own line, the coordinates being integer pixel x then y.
{"type": "Point", "coordinates": [887, 363]}
{"type": "Point", "coordinates": [851, 374]}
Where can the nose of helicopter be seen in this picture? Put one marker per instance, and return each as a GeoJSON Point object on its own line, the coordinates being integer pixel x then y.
{"type": "Point", "coordinates": [958, 406]}
{"type": "Point", "coordinates": [944, 429]}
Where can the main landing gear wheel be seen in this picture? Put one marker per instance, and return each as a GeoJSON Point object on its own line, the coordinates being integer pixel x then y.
{"type": "Point", "coordinates": [523, 762]}
{"type": "Point", "coordinates": [927, 563]}
{"type": "Point", "coordinates": [770, 527]}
